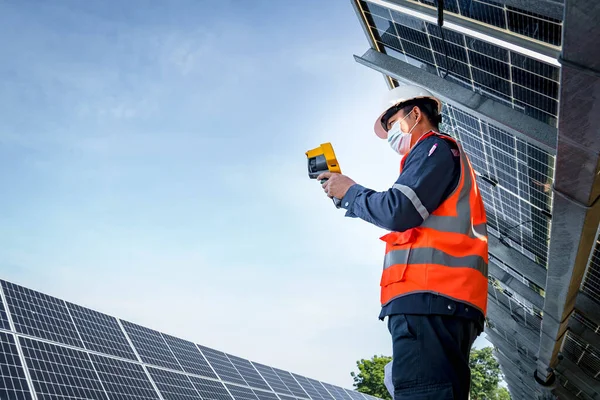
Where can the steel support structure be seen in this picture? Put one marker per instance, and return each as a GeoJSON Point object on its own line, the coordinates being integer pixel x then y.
{"type": "Point", "coordinates": [576, 212]}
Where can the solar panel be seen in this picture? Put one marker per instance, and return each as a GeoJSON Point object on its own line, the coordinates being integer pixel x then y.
{"type": "Point", "coordinates": [123, 380]}
{"type": "Point", "coordinates": [583, 354]}
{"type": "Point", "coordinates": [40, 315]}
{"type": "Point", "coordinates": [321, 389]}
{"type": "Point", "coordinates": [355, 395]}
{"type": "Point", "coordinates": [248, 372]}
{"type": "Point", "coordinates": [521, 22]}
{"type": "Point", "coordinates": [189, 356]}
{"type": "Point", "coordinates": [13, 383]}
{"type": "Point", "coordinates": [122, 360]}
{"type": "Point", "coordinates": [308, 387]}
{"type": "Point", "coordinates": [100, 332]}
{"type": "Point", "coordinates": [337, 393]}
{"type": "Point", "coordinates": [59, 372]}
{"type": "Point", "coordinates": [291, 383]}
{"type": "Point", "coordinates": [151, 346]}
{"type": "Point", "coordinates": [512, 78]}
{"type": "Point", "coordinates": [240, 392]}
{"type": "Point", "coordinates": [222, 366]}
{"type": "Point", "coordinates": [262, 395]}
{"type": "Point", "coordinates": [210, 390]}
{"type": "Point", "coordinates": [173, 385]}
{"type": "Point", "coordinates": [272, 378]}
{"type": "Point", "coordinates": [514, 178]}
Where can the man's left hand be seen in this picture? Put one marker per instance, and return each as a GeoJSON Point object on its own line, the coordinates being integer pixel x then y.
{"type": "Point", "coordinates": [336, 185]}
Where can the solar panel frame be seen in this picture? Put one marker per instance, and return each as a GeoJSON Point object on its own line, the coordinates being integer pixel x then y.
{"type": "Point", "coordinates": [222, 365]}
{"type": "Point", "coordinates": [123, 380]}
{"type": "Point", "coordinates": [151, 346]}
{"type": "Point", "coordinates": [12, 373]}
{"type": "Point", "coordinates": [59, 372]}
{"type": "Point", "coordinates": [100, 332]}
{"type": "Point", "coordinates": [4, 323]}
{"type": "Point", "coordinates": [248, 372]}
{"type": "Point", "coordinates": [39, 315]}
{"type": "Point", "coordinates": [189, 357]}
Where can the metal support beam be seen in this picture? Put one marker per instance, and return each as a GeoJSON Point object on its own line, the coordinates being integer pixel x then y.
{"type": "Point", "coordinates": [516, 123]}
{"type": "Point", "coordinates": [509, 256]}
{"type": "Point", "coordinates": [576, 211]}
{"type": "Point", "coordinates": [519, 287]}
{"type": "Point", "coordinates": [509, 349]}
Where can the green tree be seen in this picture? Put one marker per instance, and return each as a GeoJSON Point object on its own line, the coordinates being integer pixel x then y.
{"type": "Point", "coordinates": [485, 374]}
{"type": "Point", "coordinates": [370, 376]}
{"type": "Point", "coordinates": [501, 393]}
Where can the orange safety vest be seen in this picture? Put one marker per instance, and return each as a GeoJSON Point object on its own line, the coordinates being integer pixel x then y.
{"type": "Point", "coordinates": [448, 253]}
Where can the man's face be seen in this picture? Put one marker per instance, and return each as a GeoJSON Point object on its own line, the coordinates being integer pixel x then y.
{"type": "Point", "coordinates": [406, 123]}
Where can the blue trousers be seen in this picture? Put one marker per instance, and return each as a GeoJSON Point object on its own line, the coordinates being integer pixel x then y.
{"type": "Point", "coordinates": [431, 356]}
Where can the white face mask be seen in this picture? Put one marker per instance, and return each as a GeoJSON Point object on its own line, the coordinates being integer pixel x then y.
{"type": "Point", "coordinates": [399, 140]}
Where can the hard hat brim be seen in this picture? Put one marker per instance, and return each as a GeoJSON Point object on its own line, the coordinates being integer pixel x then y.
{"type": "Point", "coordinates": [382, 133]}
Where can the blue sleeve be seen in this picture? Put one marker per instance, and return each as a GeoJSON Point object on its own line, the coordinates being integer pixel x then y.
{"type": "Point", "coordinates": [420, 189]}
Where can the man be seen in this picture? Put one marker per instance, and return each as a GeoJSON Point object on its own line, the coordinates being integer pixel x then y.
{"type": "Point", "coordinates": [434, 281]}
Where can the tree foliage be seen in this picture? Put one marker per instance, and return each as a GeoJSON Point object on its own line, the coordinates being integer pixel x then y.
{"type": "Point", "coordinates": [485, 376]}
{"type": "Point", "coordinates": [370, 377]}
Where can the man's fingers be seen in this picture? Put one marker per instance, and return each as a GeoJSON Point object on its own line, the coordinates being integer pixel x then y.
{"type": "Point", "coordinates": [324, 175]}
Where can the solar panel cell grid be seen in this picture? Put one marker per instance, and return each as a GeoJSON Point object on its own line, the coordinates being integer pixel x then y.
{"type": "Point", "coordinates": [222, 366]}
{"type": "Point", "coordinates": [61, 373]}
{"type": "Point", "coordinates": [123, 380]}
{"type": "Point", "coordinates": [291, 383]}
{"type": "Point", "coordinates": [13, 383]}
{"type": "Point", "coordinates": [241, 393]}
{"type": "Point", "coordinates": [3, 317]}
{"type": "Point", "coordinates": [188, 356]}
{"type": "Point", "coordinates": [272, 379]}
{"type": "Point", "coordinates": [40, 315]}
{"type": "Point", "coordinates": [248, 372]}
{"type": "Point", "coordinates": [100, 332]}
{"type": "Point", "coordinates": [151, 346]}
{"type": "Point", "coordinates": [265, 395]}
{"type": "Point", "coordinates": [586, 356]}
{"type": "Point", "coordinates": [308, 387]}
{"type": "Point", "coordinates": [210, 390]}
{"type": "Point", "coordinates": [173, 385]}
{"type": "Point", "coordinates": [321, 389]}
{"type": "Point", "coordinates": [486, 68]}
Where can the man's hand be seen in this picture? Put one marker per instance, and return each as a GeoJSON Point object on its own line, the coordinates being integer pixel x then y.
{"type": "Point", "coordinates": [336, 185]}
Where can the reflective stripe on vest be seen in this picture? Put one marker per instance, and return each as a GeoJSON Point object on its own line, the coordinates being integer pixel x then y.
{"type": "Point", "coordinates": [448, 253]}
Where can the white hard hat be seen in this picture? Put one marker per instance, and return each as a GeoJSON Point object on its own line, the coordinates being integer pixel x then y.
{"type": "Point", "coordinates": [399, 95]}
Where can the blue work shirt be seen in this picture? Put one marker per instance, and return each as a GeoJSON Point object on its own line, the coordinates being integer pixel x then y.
{"type": "Point", "coordinates": [430, 174]}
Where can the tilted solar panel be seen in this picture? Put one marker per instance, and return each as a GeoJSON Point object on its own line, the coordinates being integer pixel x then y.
{"type": "Point", "coordinates": [513, 78]}
{"type": "Point", "coordinates": [248, 372]}
{"type": "Point", "coordinates": [122, 379]}
{"type": "Point", "coordinates": [151, 346]}
{"type": "Point", "coordinates": [100, 332]}
{"type": "Point", "coordinates": [39, 315]}
{"type": "Point", "coordinates": [12, 375]}
{"type": "Point", "coordinates": [59, 372]}
{"type": "Point", "coordinates": [222, 366]}
{"type": "Point", "coordinates": [64, 351]}
{"type": "Point", "coordinates": [188, 356]}
{"type": "Point", "coordinates": [3, 316]}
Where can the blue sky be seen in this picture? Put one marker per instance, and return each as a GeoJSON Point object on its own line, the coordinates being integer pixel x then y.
{"type": "Point", "coordinates": [153, 168]}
